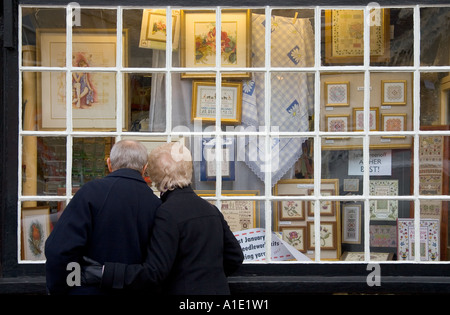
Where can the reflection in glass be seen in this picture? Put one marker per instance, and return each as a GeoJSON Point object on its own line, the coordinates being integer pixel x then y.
{"type": "Point", "coordinates": [434, 99]}
{"type": "Point", "coordinates": [434, 42]}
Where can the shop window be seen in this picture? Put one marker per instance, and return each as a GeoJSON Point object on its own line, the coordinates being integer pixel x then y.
{"type": "Point", "coordinates": [322, 135]}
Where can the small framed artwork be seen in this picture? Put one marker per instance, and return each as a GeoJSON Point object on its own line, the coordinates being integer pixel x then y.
{"type": "Point", "coordinates": [292, 210]}
{"type": "Point", "coordinates": [393, 92]}
{"type": "Point", "coordinates": [351, 184]}
{"type": "Point", "coordinates": [198, 41]}
{"type": "Point", "coordinates": [210, 155]}
{"type": "Point", "coordinates": [358, 119]}
{"type": "Point", "coordinates": [327, 207]}
{"type": "Point", "coordinates": [393, 122]}
{"type": "Point", "coordinates": [337, 93]}
{"type": "Point", "coordinates": [204, 101]}
{"type": "Point", "coordinates": [383, 209]}
{"type": "Point", "coordinates": [295, 236]}
{"type": "Point", "coordinates": [337, 123]}
{"type": "Point", "coordinates": [154, 31]}
{"type": "Point", "coordinates": [351, 223]}
{"type": "Point", "coordinates": [328, 236]}
{"type": "Point", "coordinates": [35, 231]}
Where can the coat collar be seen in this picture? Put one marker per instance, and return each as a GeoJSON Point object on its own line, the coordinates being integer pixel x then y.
{"type": "Point", "coordinates": [176, 191]}
{"type": "Point", "coordinates": [127, 173]}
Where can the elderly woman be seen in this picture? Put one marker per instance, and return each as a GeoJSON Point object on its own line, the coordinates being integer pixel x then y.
{"type": "Point", "coordinates": [192, 249]}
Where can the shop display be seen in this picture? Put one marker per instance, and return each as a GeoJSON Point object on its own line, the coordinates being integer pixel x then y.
{"type": "Point", "coordinates": [35, 231]}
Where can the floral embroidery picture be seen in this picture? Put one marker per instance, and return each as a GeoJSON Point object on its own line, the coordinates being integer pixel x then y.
{"type": "Point", "coordinates": [429, 240]}
{"type": "Point", "coordinates": [337, 123]}
{"type": "Point", "coordinates": [393, 92]}
{"type": "Point", "coordinates": [295, 236]}
{"type": "Point", "coordinates": [205, 43]}
{"type": "Point", "coordinates": [394, 122]}
{"type": "Point", "coordinates": [337, 93]}
{"type": "Point", "coordinates": [327, 235]}
{"type": "Point", "coordinates": [292, 210]}
{"type": "Point", "coordinates": [358, 119]}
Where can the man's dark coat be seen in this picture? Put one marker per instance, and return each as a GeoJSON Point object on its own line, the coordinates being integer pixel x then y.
{"type": "Point", "coordinates": [108, 219]}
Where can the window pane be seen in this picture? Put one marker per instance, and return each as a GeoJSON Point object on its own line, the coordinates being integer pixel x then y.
{"type": "Point", "coordinates": [292, 38]}
{"type": "Point", "coordinates": [139, 99]}
{"type": "Point", "coordinates": [432, 211]}
{"type": "Point", "coordinates": [43, 165]}
{"type": "Point", "coordinates": [434, 42]}
{"type": "Point", "coordinates": [343, 43]}
{"type": "Point", "coordinates": [434, 99]}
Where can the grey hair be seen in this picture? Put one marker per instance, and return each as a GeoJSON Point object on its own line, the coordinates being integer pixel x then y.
{"type": "Point", "coordinates": [128, 154]}
{"type": "Point", "coordinates": [170, 166]}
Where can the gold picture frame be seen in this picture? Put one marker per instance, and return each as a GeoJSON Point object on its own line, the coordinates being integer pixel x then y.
{"type": "Point", "coordinates": [337, 93]}
{"type": "Point", "coordinates": [35, 231]}
{"type": "Point", "coordinates": [239, 214]}
{"type": "Point", "coordinates": [198, 41]}
{"type": "Point", "coordinates": [358, 119]}
{"type": "Point", "coordinates": [204, 101]}
{"type": "Point", "coordinates": [394, 92]}
{"type": "Point", "coordinates": [153, 29]}
{"type": "Point", "coordinates": [94, 98]}
{"type": "Point", "coordinates": [344, 43]}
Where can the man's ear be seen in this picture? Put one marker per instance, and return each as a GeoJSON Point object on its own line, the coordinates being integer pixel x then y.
{"type": "Point", "coordinates": [143, 170]}
{"type": "Point", "coordinates": [108, 161]}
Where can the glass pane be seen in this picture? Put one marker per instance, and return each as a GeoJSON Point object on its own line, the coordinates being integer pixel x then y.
{"type": "Point", "coordinates": [434, 100]}
{"type": "Point", "coordinates": [292, 38]}
{"type": "Point", "coordinates": [37, 219]}
{"type": "Point", "coordinates": [343, 43]}
{"type": "Point", "coordinates": [258, 38]}
{"type": "Point", "coordinates": [198, 40]}
{"type": "Point", "coordinates": [341, 102]}
{"type": "Point", "coordinates": [36, 25]}
{"type": "Point", "coordinates": [139, 99]}
{"type": "Point", "coordinates": [94, 39]}
{"type": "Point", "coordinates": [392, 37]}
{"type": "Point", "coordinates": [434, 41]}
{"type": "Point", "coordinates": [43, 99]}
{"type": "Point", "coordinates": [432, 212]}
{"type": "Point", "coordinates": [43, 165]}
{"type": "Point", "coordinates": [89, 159]}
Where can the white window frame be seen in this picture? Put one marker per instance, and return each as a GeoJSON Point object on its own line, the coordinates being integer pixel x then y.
{"type": "Point", "coordinates": [267, 69]}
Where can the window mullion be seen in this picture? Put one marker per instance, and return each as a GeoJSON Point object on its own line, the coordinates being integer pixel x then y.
{"type": "Point", "coordinates": [218, 127]}
{"type": "Point", "coordinates": [69, 121]}
{"type": "Point", "coordinates": [119, 75]}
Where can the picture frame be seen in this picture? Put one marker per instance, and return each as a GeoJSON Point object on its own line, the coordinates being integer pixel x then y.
{"type": "Point", "coordinates": [328, 235]}
{"type": "Point", "coordinates": [154, 32]}
{"type": "Point", "coordinates": [381, 210]}
{"type": "Point", "coordinates": [374, 256]}
{"type": "Point", "coordinates": [295, 236]}
{"type": "Point", "coordinates": [429, 239]}
{"type": "Point", "coordinates": [292, 210]}
{"type": "Point", "coordinates": [393, 92]}
{"type": "Point", "coordinates": [358, 119]}
{"type": "Point", "coordinates": [327, 207]}
{"type": "Point", "coordinates": [198, 48]}
{"type": "Point", "coordinates": [337, 123]}
{"type": "Point", "coordinates": [337, 93]}
{"type": "Point", "coordinates": [344, 42]}
{"type": "Point", "coordinates": [239, 214]}
{"type": "Point", "coordinates": [208, 162]}
{"type": "Point", "coordinates": [93, 93]}
{"type": "Point", "coordinates": [351, 223]}
{"type": "Point", "coordinates": [393, 122]}
{"type": "Point", "coordinates": [35, 231]}
{"type": "Point", "coordinates": [204, 102]}
{"type": "Point", "coordinates": [351, 184]}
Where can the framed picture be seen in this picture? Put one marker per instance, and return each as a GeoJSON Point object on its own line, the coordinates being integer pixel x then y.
{"type": "Point", "coordinates": [351, 223]}
{"type": "Point", "coordinates": [154, 31]}
{"type": "Point", "coordinates": [358, 119]}
{"type": "Point", "coordinates": [295, 236]}
{"type": "Point", "coordinates": [374, 256]}
{"type": "Point", "coordinates": [292, 210]}
{"type": "Point", "coordinates": [327, 207]}
{"type": "Point", "coordinates": [337, 93]}
{"type": "Point", "coordinates": [351, 184]}
{"type": "Point", "coordinates": [429, 239]}
{"type": "Point", "coordinates": [337, 123]}
{"type": "Point", "coordinates": [35, 231]}
{"type": "Point", "coordinates": [383, 209]}
{"type": "Point", "coordinates": [94, 103]}
{"type": "Point", "coordinates": [209, 157]}
{"type": "Point", "coordinates": [198, 46]}
{"type": "Point", "coordinates": [239, 214]}
{"type": "Point", "coordinates": [328, 236]}
{"type": "Point", "coordinates": [393, 122]}
{"type": "Point", "coordinates": [393, 92]}
{"type": "Point", "coordinates": [204, 101]}
{"type": "Point", "coordinates": [344, 38]}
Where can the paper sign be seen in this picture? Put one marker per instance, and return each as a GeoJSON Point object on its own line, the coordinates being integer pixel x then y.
{"type": "Point", "coordinates": [252, 242]}
{"type": "Point", "coordinates": [380, 163]}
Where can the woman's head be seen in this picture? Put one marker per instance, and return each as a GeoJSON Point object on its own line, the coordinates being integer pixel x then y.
{"type": "Point", "coordinates": [128, 154]}
{"type": "Point", "coordinates": [170, 166]}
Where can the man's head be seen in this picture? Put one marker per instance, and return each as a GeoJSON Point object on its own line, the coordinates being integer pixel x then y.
{"type": "Point", "coordinates": [170, 166]}
{"type": "Point", "coordinates": [128, 154]}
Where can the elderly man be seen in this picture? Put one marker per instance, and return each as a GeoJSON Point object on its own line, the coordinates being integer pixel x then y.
{"type": "Point", "coordinates": [108, 219]}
